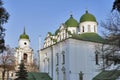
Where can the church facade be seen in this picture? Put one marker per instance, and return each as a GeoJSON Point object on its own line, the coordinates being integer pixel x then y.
{"type": "Point", "coordinates": [69, 53]}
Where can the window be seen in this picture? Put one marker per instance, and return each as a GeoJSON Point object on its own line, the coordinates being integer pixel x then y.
{"type": "Point", "coordinates": [63, 57]}
{"type": "Point", "coordinates": [57, 59]}
{"type": "Point", "coordinates": [25, 43]}
{"type": "Point", "coordinates": [25, 58]}
{"type": "Point", "coordinates": [11, 74]}
{"type": "Point", "coordinates": [96, 59]}
{"type": "Point", "coordinates": [82, 28]}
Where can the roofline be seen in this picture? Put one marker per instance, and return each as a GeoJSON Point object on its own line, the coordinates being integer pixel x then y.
{"type": "Point", "coordinates": [67, 39]}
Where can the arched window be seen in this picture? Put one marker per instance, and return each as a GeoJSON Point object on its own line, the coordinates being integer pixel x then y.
{"type": "Point", "coordinates": [25, 58]}
{"type": "Point", "coordinates": [11, 74]}
{"type": "Point", "coordinates": [83, 29]}
{"type": "Point", "coordinates": [63, 57]}
{"type": "Point", "coordinates": [96, 59]}
{"type": "Point", "coordinates": [57, 59]}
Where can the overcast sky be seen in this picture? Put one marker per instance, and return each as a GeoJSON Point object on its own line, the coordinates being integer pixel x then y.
{"type": "Point", "coordinates": [42, 16]}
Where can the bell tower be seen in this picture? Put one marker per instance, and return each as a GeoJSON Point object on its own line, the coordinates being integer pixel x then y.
{"type": "Point", "coordinates": [24, 51]}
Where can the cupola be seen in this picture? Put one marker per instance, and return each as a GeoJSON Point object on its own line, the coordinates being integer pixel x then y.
{"type": "Point", "coordinates": [87, 17]}
{"type": "Point", "coordinates": [24, 35]}
{"type": "Point", "coordinates": [71, 22]}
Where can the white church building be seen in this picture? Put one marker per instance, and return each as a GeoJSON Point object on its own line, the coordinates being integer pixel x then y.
{"type": "Point", "coordinates": [69, 53]}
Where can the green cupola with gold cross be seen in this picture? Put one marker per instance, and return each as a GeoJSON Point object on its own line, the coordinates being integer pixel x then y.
{"type": "Point", "coordinates": [24, 35]}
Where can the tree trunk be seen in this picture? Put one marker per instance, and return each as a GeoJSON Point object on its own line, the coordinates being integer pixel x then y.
{"type": "Point", "coordinates": [7, 74]}
{"type": "Point", "coordinates": [3, 75]}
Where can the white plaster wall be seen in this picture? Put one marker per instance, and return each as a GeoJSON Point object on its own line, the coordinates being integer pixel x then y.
{"type": "Point", "coordinates": [22, 41]}
{"type": "Point", "coordinates": [19, 55]}
{"type": "Point", "coordinates": [79, 56]}
{"type": "Point", "coordinates": [73, 30]}
{"type": "Point", "coordinates": [62, 46]}
{"type": "Point", "coordinates": [52, 51]}
{"type": "Point", "coordinates": [82, 58]}
{"type": "Point", "coordinates": [44, 65]}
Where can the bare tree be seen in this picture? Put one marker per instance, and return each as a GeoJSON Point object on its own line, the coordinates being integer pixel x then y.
{"type": "Point", "coordinates": [34, 66]}
{"type": "Point", "coordinates": [111, 33]}
{"type": "Point", "coordinates": [6, 61]}
{"type": "Point", "coordinates": [106, 55]}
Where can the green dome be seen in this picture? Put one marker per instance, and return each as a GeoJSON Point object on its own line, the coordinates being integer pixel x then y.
{"type": "Point", "coordinates": [87, 17]}
{"type": "Point", "coordinates": [24, 35]}
{"type": "Point", "coordinates": [71, 22]}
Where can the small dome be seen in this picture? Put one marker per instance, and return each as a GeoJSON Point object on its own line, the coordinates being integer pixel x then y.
{"type": "Point", "coordinates": [24, 35]}
{"type": "Point", "coordinates": [71, 22]}
{"type": "Point", "coordinates": [87, 17]}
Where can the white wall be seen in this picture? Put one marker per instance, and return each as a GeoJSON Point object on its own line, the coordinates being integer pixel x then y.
{"type": "Point", "coordinates": [79, 56]}
{"type": "Point", "coordinates": [82, 58]}
{"type": "Point", "coordinates": [52, 51]}
{"type": "Point", "coordinates": [73, 30]}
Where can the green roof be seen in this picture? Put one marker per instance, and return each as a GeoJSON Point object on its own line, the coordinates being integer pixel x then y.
{"type": "Point", "coordinates": [57, 31]}
{"type": "Point", "coordinates": [71, 22]}
{"type": "Point", "coordinates": [24, 35]}
{"type": "Point", "coordinates": [50, 33]}
{"type": "Point", "coordinates": [107, 75]}
{"type": "Point", "coordinates": [93, 37]}
{"type": "Point", "coordinates": [38, 76]}
{"type": "Point", "coordinates": [87, 17]}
